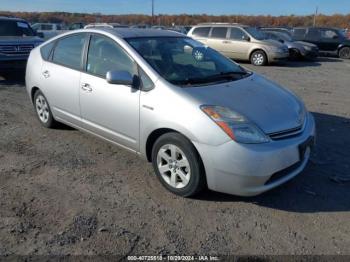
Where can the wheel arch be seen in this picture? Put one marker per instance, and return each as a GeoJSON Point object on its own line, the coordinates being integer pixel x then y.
{"type": "Point", "coordinates": [258, 49]}
{"type": "Point", "coordinates": [342, 45]}
{"type": "Point", "coordinates": [155, 134]}
{"type": "Point", "coordinates": [32, 92]}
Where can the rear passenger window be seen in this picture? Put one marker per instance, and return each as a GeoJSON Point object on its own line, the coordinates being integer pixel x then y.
{"type": "Point", "coordinates": [68, 51]}
{"type": "Point", "coordinates": [313, 34]}
{"type": "Point", "coordinates": [201, 31]}
{"type": "Point", "coordinates": [46, 50]}
{"type": "Point", "coordinates": [219, 32]}
{"type": "Point", "coordinates": [106, 55]}
{"type": "Point", "coordinates": [236, 34]}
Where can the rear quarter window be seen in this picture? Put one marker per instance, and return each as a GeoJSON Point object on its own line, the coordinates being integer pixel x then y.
{"type": "Point", "coordinates": [46, 50]}
{"type": "Point", "coordinates": [68, 51]}
{"type": "Point", "coordinates": [201, 31]}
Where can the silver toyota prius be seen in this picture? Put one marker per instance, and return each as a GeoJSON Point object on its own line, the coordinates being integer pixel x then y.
{"type": "Point", "coordinates": [200, 118]}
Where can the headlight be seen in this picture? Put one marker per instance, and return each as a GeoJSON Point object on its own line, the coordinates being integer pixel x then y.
{"type": "Point", "coordinates": [235, 125]}
{"type": "Point", "coordinates": [308, 48]}
{"type": "Point", "coordinates": [277, 49]}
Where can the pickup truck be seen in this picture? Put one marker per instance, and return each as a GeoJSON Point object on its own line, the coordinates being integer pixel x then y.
{"type": "Point", "coordinates": [17, 39]}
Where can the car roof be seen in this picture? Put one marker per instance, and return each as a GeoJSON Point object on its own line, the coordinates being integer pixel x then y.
{"type": "Point", "coordinates": [138, 33]}
{"type": "Point", "coordinates": [12, 18]}
{"type": "Point", "coordinates": [311, 27]}
{"type": "Point", "coordinates": [220, 25]}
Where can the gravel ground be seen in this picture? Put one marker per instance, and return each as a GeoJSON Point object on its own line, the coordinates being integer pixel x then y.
{"type": "Point", "coordinates": [65, 192]}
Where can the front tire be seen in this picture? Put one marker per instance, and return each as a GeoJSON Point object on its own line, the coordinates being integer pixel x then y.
{"type": "Point", "coordinates": [258, 58]}
{"type": "Point", "coordinates": [177, 164]}
{"type": "Point", "coordinates": [43, 111]}
{"type": "Point", "coordinates": [344, 53]}
{"type": "Point", "coordinates": [294, 54]}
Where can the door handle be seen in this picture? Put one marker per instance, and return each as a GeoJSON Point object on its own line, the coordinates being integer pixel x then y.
{"type": "Point", "coordinates": [86, 87]}
{"type": "Point", "coordinates": [46, 74]}
{"type": "Point", "coordinates": [226, 42]}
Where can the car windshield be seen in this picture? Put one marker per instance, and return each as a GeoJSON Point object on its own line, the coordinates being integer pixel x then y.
{"type": "Point", "coordinates": [186, 62]}
{"type": "Point", "coordinates": [256, 33]}
{"type": "Point", "coordinates": [284, 37]}
{"type": "Point", "coordinates": [15, 28]}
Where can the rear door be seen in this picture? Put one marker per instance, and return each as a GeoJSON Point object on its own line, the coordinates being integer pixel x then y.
{"type": "Point", "coordinates": [61, 77]}
{"type": "Point", "coordinates": [218, 40]}
{"type": "Point", "coordinates": [313, 36]}
{"type": "Point", "coordinates": [109, 110]}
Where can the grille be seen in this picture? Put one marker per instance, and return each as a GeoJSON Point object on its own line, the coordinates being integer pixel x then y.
{"type": "Point", "coordinates": [286, 133]}
{"type": "Point", "coordinates": [16, 49]}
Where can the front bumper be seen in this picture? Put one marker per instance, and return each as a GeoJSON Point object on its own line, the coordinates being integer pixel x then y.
{"type": "Point", "coordinates": [278, 56]}
{"type": "Point", "coordinates": [313, 53]}
{"type": "Point", "coordinates": [251, 169]}
{"type": "Point", "coordinates": [13, 62]}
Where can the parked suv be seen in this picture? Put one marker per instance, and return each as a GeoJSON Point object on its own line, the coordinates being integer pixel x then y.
{"type": "Point", "coordinates": [330, 40]}
{"type": "Point", "coordinates": [17, 39]}
{"type": "Point", "coordinates": [240, 42]}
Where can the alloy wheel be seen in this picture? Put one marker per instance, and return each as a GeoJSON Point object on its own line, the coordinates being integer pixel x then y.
{"type": "Point", "coordinates": [173, 166]}
{"type": "Point", "coordinates": [42, 108]}
{"type": "Point", "coordinates": [258, 59]}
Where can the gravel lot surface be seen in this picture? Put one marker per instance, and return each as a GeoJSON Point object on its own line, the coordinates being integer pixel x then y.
{"type": "Point", "coordinates": [66, 192]}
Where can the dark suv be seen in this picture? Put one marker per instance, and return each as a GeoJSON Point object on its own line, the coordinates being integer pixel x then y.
{"type": "Point", "coordinates": [17, 39]}
{"type": "Point", "coordinates": [330, 40]}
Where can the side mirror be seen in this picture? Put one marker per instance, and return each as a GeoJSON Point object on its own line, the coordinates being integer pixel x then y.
{"type": "Point", "coordinates": [246, 38]}
{"type": "Point", "coordinates": [122, 78]}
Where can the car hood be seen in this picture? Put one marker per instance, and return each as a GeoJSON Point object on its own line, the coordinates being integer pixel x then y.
{"type": "Point", "coordinates": [293, 45]}
{"type": "Point", "coordinates": [269, 106]}
{"type": "Point", "coordinates": [305, 43]}
{"type": "Point", "coordinates": [272, 42]}
{"type": "Point", "coordinates": [19, 40]}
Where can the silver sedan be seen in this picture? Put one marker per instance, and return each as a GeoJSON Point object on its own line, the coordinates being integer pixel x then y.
{"type": "Point", "coordinates": [200, 118]}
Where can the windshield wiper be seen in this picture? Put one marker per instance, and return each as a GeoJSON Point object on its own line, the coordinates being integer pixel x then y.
{"type": "Point", "coordinates": [212, 78]}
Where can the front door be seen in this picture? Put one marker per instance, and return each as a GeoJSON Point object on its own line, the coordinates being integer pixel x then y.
{"type": "Point", "coordinates": [109, 110]}
{"type": "Point", "coordinates": [238, 44]}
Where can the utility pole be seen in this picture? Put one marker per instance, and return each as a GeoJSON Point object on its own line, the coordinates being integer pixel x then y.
{"type": "Point", "coordinates": [152, 12]}
{"type": "Point", "coordinates": [315, 16]}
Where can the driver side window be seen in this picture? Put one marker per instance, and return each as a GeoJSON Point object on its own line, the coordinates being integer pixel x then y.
{"type": "Point", "coordinates": [105, 55]}
{"type": "Point", "coordinates": [237, 34]}
{"type": "Point", "coordinates": [328, 34]}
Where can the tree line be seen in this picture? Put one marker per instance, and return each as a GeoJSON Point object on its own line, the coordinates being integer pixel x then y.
{"type": "Point", "coordinates": [336, 20]}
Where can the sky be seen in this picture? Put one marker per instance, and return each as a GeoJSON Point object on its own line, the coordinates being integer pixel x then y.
{"type": "Point", "coordinates": [212, 7]}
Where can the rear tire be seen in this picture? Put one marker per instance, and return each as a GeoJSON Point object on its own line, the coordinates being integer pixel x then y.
{"type": "Point", "coordinates": [177, 164]}
{"type": "Point", "coordinates": [43, 111]}
{"type": "Point", "coordinates": [258, 58]}
{"type": "Point", "coordinates": [344, 53]}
